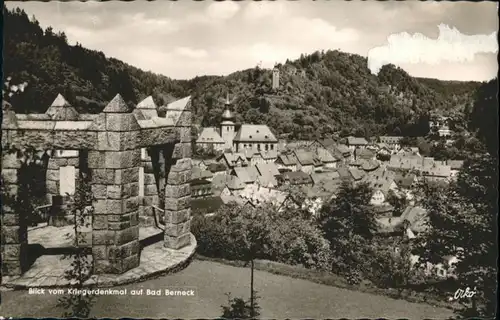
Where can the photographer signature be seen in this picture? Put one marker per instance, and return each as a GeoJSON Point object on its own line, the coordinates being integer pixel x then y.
{"type": "Point", "coordinates": [461, 293]}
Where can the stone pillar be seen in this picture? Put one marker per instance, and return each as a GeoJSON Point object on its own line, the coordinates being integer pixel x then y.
{"type": "Point", "coordinates": [150, 196]}
{"type": "Point", "coordinates": [178, 189]}
{"type": "Point", "coordinates": [114, 169]}
{"type": "Point", "coordinates": [14, 237]}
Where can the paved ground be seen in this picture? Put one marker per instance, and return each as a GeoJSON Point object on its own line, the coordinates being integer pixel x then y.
{"type": "Point", "coordinates": [282, 297]}
{"type": "Point", "coordinates": [48, 269]}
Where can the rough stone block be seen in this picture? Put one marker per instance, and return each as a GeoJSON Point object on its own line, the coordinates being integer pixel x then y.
{"type": "Point", "coordinates": [151, 201]}
{"type": "Point", "coordinates": [75, 139]}
{"type": "Point", "coordinates": [100, 252]}
{"type": "Point", "coordinates": [11, 268]}
{"type": "Point", "coordinates": [158, 136]}
{"type": "Point", "coordinates": [75, 162]}
{"type": "Point", "coordinates": [102, 237]}
{"type": "Point", "coordinates": [150, 190]}
{"type": "Point", "coordinates": [177, 242]}
{"type": "Point", "coordinates": [118, 217]}
{"type": "Point", "coordinates": [131, 204]}
{"type": "Point", "coordinates": [104, 266]}
{"type": "Point", "coordinates": [99, 191]}
{"type": "Point", "coordinates": [13, 235]}
{"type": "Point", "coordinates": [175, 217]}
{"type": "Point", "coordinates": [124, 251]}
{"type": "Point", "coordinates": [10, 161]}
{"type": "Point", "coordinates": [52, 175]}
{"type": "Point", "coordinates": [182, 165]}
{"type": "Point", "coordinates": [146, 221]}
{"type": "Point", "coordinates": [184, 134]}
{"type": "Point", "coordinates": [121, 122]}
{"type": "Point", "coordinates": [96, 159]}
{"type": "Point", "coordinates": [127, 235]}
{"type": "Point", "coordinates": [177, 191]}
{"type": "Point", "coordinates": [124, 176]}
{"type": "Point", "coordinates": [9, 175]}
{"type": "Point", "coordinates": [9, 219]}
{"type": "Point", "coordinates": [176, 178]}
{"type": "Point", "coordinates": [39, 138]}
{"type": "Point", "coordinates": [182, 150]}
{"type": "Point", "coordinates": [61, 162]}
{"type": "Point", "coordinates": [176, 204]}
{"type": "Point", "coordinates": [52, 187]}
{"type": "Point", "coordinates": [134, 218]}
{"type": "Point", "coordinates": [149, 178]}
{"type": "Point", "coordinates": [13, 251]}
{"type": "Point", "coordinates": [123, 159]}
{"type": "Point", "coordinates": [100, 222]}
{"type": "Point", "coordinates": [131, 262]}
{"type": "Point", "coordinates": [177, 230]}
{"type": "Point", "coordinates": [119, 225]}
{"type": "Point", "coordinates": [11, 189]}
{"type": "Point", "coordinates": [148, 211]}
{"type": "Point", "coordinates": [103, 176]}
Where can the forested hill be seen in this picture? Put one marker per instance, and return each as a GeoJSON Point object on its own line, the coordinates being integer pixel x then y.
{"type": "Point", "coordinates": [320, 94]}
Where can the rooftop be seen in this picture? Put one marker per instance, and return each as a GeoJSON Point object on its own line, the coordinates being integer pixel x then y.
{"type": "Point", "coordinates": [254, 133]}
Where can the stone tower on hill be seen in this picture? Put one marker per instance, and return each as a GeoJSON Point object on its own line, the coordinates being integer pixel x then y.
{"type": "Point", "coordinates": [276, 78]}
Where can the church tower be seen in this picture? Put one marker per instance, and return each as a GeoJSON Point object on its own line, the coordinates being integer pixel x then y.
{"type": "Point", "coordinates": [276, 78]}
{"type": "Point", "coordinates": [227, 126]}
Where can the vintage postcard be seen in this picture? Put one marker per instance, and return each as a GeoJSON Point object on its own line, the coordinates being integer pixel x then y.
{"type": "Point", "coordinates": [249, 159]}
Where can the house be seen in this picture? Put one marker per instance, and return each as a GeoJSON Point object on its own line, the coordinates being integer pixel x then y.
{"type": "Point", "coordinates": [382, 181]}
{"type": "Point", "coordinates": [217, 168]}
{"type": "Point", "coordinates": [267, 169]}
{"type": "Point", "coordinates": [406, 162]}
{"type": "Point", "coordinates": [255, 137]}
{"type": "Point", "coordinates": [287, 161]}
{"type": "Point", "coordinates": [436, 173]}
{"type": "Point", "coordinates": [294, 178]}
{"type": "Point", "coordinates": [255, 158]}
{"type": "Point", "coordinates": [405, 181]}
{"type": "Point", "coordinates": [231, 160]}
{"type": "Point", "coordinates": [394, 142]}
{"type": "Point", "coordinates": [364, 154]}
{"type": "Point", "coordinates": [210, 139]}
{"type": "Point", "coordinates": [356, 174]}
{"type": "Point", "coordinates": [269, 156]}
{"type": "Point", "coordinates": [370, 165]}
{"type": "Point", "coordinates": [327, 159]}
{"type": "Point", "coordinates": [342, 152]}
{"type": "Point", "coordinates": [354, 143]}
{"type": "Point", "coordinates": [318, 178]}
{"type": "Point", "coordinates": [203, 164]}
{"type": "Point", "coordinates": [201, 188]}
{"type": "Point", "coordinates": [247, 175]}
{"type": "Point", "coordinates": [233, 186]}
{"type": "Point", "coordinates": [198, 173]}
{"type": "Point", "coordinates": [267, 181]}
{"type": "Point", "coordinates": [258, 196]}
{"type": "Point", "coordinates": [415, 220]}
{"type": "Point", "coordinates": [306, 161]}
{"type": "Point", "coordinates": [455, 167]}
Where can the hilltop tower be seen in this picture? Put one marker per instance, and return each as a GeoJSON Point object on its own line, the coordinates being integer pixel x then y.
{"type": "Point", "coordinates": [276, 78]}
{"type": "Point", "coordinates": [227, 125]}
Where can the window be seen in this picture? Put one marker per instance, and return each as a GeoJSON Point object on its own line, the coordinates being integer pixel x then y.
{"type": "Point", "coordinates": [141, 181]}
{"type": "Point", "coordinates": [272, 147]}
{"type": "Point", "coordinates": [67, 176]}
{"type": "Point", "coordinates": [258, 146]}
{"type": "Point", "coordinates": [227, 129]}
{"type": "Point", "coordinates": [266, 147]}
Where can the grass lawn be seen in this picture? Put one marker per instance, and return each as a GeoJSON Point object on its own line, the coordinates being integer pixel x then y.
{"type": "Point", "coordinates": [282, 297]}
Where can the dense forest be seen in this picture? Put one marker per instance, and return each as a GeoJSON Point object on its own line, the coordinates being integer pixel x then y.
{"type": "Point", "coordinates": [320, 94]}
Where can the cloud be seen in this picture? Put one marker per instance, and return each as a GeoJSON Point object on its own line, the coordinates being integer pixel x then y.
{"type": "Point", "coordinates": [191, 53]}
{"type": "Point", "coordinates": [261, 10]}
{"type": "Point", "coordinates": [222, 10]}
{"type": "Point", "coordinates": [450, 46]}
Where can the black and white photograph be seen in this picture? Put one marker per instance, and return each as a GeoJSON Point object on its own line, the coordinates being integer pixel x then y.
{"type": "Point", "coordinates": [249, 159]}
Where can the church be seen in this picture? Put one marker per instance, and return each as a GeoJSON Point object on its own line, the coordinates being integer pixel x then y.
{"type": "Point", "coordinates": [248, 138]}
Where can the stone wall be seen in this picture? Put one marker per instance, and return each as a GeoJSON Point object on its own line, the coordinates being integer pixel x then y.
{"type": "Point", "coordinates": [112, 142]}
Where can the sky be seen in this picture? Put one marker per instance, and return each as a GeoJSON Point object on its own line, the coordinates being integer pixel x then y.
{"type": "Point", "coordinates": [183, 39]}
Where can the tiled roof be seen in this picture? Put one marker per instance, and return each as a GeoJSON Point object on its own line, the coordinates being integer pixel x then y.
{"type": "Point", "coordinates": [254, 133]}
{"type": "Point", "coordinates": [304, 157]}
{"type": "Point", "coordinates": [455, 164]}
{"type": "Point", "coordinates": [352, 141]}
{"type": "Point", "coordinates": [210, 135]}
{"type": "Point", "coordinates": [437, 171]}
{"type": "Point", "coordinates": [198, 173]}
{"type": "Point", "coordinates": [343, 149]}
{"type": "Point", "coordinates": [232, 158]}
{"type": "Point", "coordinates": [324, 176]}
{"type": "Point", "coordinates": [216, 167]}
{"type": "Point", "coordinates": [268, 169]}
{"type": "Point", "coordinates": [326, 157]}
{"type": "Point", "coordinates": [327, 143]}
{"type": "Point", "coordinates": [417, 217]}
{"type": "Point", "coordinates": [270, 154]}
{"type": "Point", "coordinates": [234, 183]}
{"type": "Point", "coordinates": [288, 159]}
{"type": "Point", "coordinates": [365, 154]}
{"type": "Point", "coordinates": [246, 174]}
{"type": "Point", "coordinates": [356, 173]}
{"type": "Point", "coordinates": [404, 180]}
{"type": "Point", "coordinates": [370, 165]}
{"type": "Point", "coordinates": [390, 139]}
{"type": "Point", "coordinates": [267, 181]}
{"type": "Point", "coordinates": [297, 177]}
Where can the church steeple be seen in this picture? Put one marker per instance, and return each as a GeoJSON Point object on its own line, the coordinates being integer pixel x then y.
{"type": "Point", "coordinates": [227, 125]}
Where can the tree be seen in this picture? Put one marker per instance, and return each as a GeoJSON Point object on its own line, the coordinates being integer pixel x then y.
{"type": "Point", "coordinates": [463, 224]}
